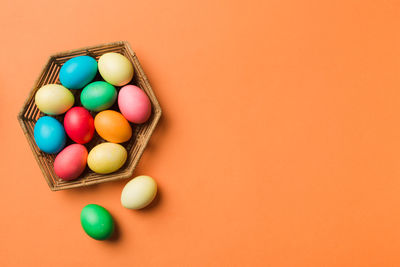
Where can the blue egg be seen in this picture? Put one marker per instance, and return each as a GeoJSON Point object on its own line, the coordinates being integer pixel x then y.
{"type": "Point", "coordinates": [78, 72]}
{"type": "Point", "coordinates": [49, 135]}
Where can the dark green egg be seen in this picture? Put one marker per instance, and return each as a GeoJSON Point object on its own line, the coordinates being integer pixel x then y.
{"type": "Point", "coordinates": [98, 96]}
{"type": "Point", "coordinates": [97, 222]}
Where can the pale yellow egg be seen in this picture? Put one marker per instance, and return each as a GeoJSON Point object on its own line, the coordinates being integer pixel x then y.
{"type": "Point", "coordinates": [115, 69]}
{"type": "Point", "coordinates": [54, 99]}
{"type": "Point", "coordinates": [139, 192]}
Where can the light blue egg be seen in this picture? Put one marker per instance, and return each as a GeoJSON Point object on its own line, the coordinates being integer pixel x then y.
{"type": "Point", "coordinates": [78, 72]}
{"type": "Point", "coordinates": [49, 135]}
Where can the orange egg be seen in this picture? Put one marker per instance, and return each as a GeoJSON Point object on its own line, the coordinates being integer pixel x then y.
{"type": "Point", "coordinates": [112, 126]}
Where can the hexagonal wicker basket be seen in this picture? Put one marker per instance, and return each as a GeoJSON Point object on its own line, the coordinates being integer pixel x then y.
{"type": "Point", "coordinates": [29, 114]}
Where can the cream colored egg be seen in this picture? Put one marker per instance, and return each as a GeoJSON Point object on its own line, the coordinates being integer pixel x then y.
{"type": "Point", "coordinates": [115, 69]}
{"type": "Point", "coordinates": [54, 99]}
{"type": "Point", "coordinates": [106, 158]}
{"type": "Point", "coordinates": [139, 192]}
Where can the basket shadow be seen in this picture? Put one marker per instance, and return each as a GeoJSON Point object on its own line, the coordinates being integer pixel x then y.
{"type": "Point", "coordinates": [158, 134]}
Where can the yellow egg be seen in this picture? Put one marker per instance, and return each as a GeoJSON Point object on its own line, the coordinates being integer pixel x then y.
{"type": "Point", "coordinates": [106, 158]}
{"type": "Point", "coordinates": [139, 192]}
{"type": "Point", "coordinates": [54, 99]}
{"type": "Point", "coordinates": [115, 69]}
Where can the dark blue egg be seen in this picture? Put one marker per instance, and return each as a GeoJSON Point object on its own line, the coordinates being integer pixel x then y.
{"type": "Point", "coordinates": [78, 72]}
{"type": "Point", "coordinates": [49, 135]}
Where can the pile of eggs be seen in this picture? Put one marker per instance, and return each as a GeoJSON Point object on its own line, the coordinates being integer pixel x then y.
{"type": "Point", "coordinates": [96, 97]}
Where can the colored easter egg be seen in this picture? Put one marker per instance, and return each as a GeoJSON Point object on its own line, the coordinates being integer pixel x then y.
{"type": "Point", "coordinates": [78, 72]}
{"type": "Point", "coordinates": [106, 158]}
{"type": "Point", "coordinates": [97, 222]}
{"type": "Point", "coordinates": [98, 96]}
{"type": "Point", "coordinates": [112, 126]}
{"type": "Point", "coordinates": [54, 99]}
{"type": "Point", "coordinates": [79, 125]}
{"type": "Point", "coordinates": [49, 135]}
{"type": "Point", "coordinates": [139, 192]}
{"type": "Point", "coordinates": [71, 162]}
{"type": "Point", "coordinates": [115, 68]}
{"type": "Point", "coordinates": [134, 104]}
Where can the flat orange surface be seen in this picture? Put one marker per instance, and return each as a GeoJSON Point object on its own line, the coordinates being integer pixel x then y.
{"type": "Point", "coordinates": [279, 143]}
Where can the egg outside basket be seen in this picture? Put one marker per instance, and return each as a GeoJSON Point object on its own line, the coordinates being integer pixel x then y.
{"type": "Point", "coordinates": [29, 114]}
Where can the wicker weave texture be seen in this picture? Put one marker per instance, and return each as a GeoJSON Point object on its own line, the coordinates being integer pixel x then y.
{"type": "Point", "coordinates": [29, 114]}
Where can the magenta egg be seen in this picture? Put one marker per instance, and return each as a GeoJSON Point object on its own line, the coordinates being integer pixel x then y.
{"type": "Point", "coordinates": [71, 162]}
{"type": "Point", "coordinates": [79, 125]}
{"type": "Point", "coordinates": [134, 104]}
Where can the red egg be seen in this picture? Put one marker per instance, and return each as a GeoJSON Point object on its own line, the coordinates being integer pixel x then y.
{"type": "Point", "coordinates": [71, 162]}
{"type": "Point", "coordinates": [79, 125]}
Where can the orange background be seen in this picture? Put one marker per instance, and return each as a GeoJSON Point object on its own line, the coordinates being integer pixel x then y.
{"type": "Point", "coordinates": [279, 144]}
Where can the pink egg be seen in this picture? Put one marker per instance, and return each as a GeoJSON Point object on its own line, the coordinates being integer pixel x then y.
{"type": "Point", "coordinates": [134, 104]}
{"type": "Point", "coordinates": [71, 162]}
{"type": "Point", "coordinates": [79, 125]}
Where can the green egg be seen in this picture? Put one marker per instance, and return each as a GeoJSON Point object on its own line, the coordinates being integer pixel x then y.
{"type": "Point", "coordinates": [97, 222]}
{"type": "Point", "coordinates": [98, 96]}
